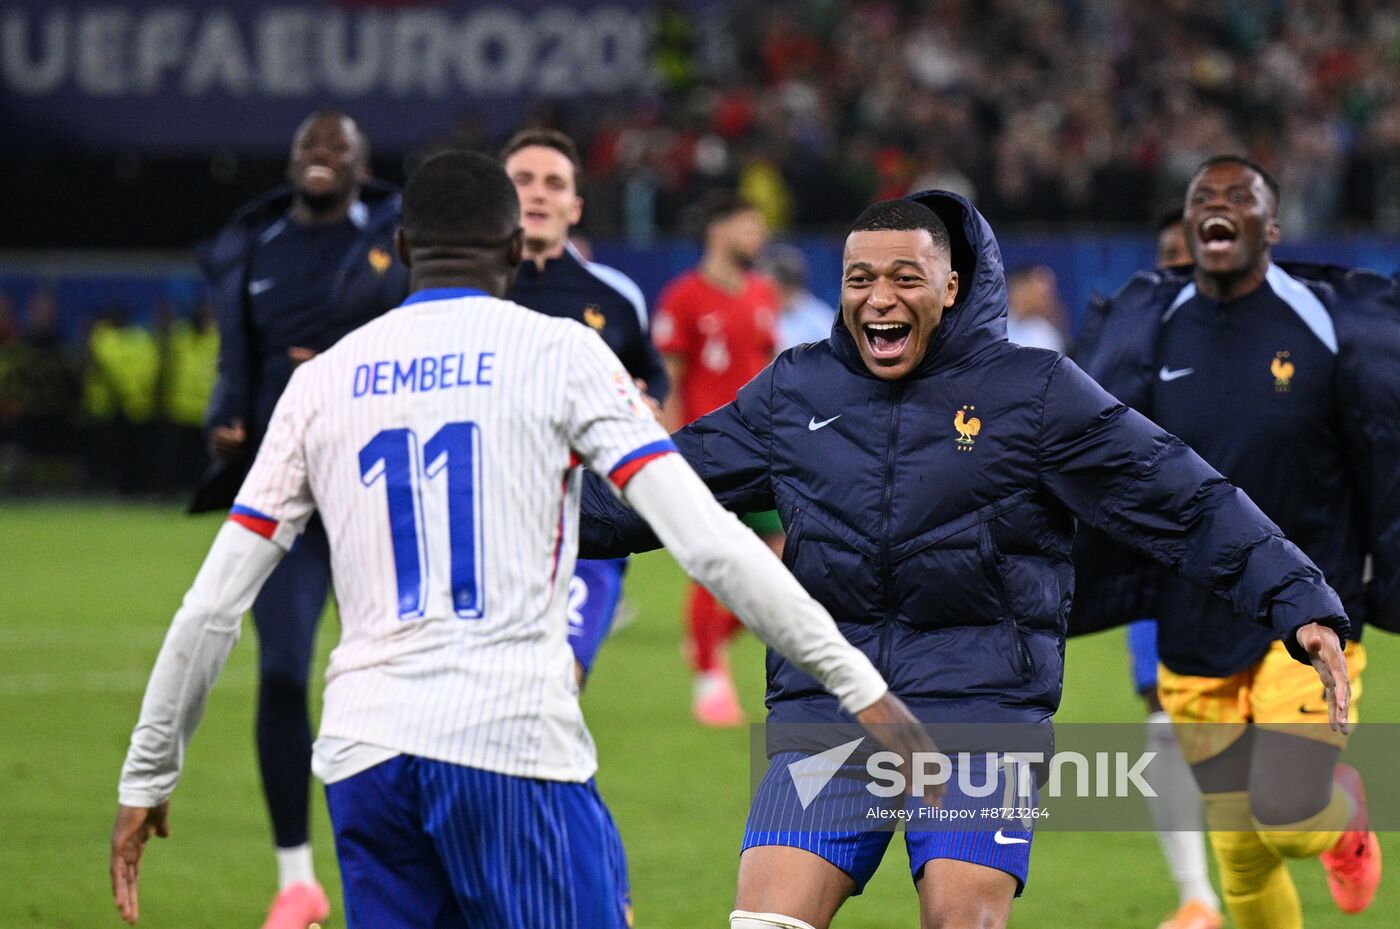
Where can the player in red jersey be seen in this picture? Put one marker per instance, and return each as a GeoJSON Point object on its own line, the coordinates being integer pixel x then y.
{"type": "Point", "coordinates": [715, 327]}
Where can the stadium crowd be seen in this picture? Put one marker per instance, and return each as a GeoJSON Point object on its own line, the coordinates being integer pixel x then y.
{"type": "Point", "coordinates": [121, 409]}
{"type": "Point", "coordinates": [1093, 111]}
{"type": "Point", "coordinates": [1046, 113]}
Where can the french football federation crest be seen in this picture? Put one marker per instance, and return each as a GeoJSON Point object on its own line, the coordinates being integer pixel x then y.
{"type": "Point", "coordinates": [594, 316]}
{"type": "Point", "coordinates": [380, 259]}
{"type": "Point", "coordinates": [1282, 370]}
{"type": "Point", "coordinates": [967, 428]}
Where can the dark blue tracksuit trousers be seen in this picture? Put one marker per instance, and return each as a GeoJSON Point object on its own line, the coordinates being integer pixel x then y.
{"type": "Point", "coordinates": [286, 614]}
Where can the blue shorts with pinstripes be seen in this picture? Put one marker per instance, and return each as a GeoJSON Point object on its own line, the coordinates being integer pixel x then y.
{"type": "Point", "coordinates": [427, 844]}
{"type": "Point", "coordinates": [843, 824]}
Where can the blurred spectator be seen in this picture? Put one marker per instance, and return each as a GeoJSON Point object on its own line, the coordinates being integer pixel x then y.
{"type": "Point", "coordinates": [674, 51]}
{"type": "Point", "coordinates": [49, 388]}
{"type": "Point", "coordinates": [761, 183]}
{"type": "Point", "coordinates": [189, 364]}
{"type": "Point", "coordinates": [1171, 240]}
{"type": "Point", "coordinates": [804, 317]}
{"type": "Point", "coordinates": [1037, 316]}
{"type": "Point", "coordinates": [119, 399]}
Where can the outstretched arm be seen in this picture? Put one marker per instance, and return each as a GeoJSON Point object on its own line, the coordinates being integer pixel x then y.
{"type": "Point", "coordinates": [717, 550]}
{"type": "Point", "coordinates": [1120, 472]}
{"type": "Point", "coordinates": [203, 632]}
{"type": "Point", "coordinates": [273, 506]}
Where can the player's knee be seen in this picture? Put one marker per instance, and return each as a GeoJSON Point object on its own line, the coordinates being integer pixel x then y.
{"type": "Point", "coordinates": [742, 919]}
{"type": "Point", "coordinates": [1244, 860]}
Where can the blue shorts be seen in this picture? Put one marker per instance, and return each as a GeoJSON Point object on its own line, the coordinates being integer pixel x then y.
{"type": "Point", "coordinates": [431, 845]}
{"type": "Point", "coordinates": [1142, 654]}
{"type": "Point", "coordinates": [595, 590]}
{"type": "Point", "coordinates": [866, 824]}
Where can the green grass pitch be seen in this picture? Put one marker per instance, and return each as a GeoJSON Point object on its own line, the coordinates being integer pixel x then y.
{"type": "Point", "coordinates": [86, 592]}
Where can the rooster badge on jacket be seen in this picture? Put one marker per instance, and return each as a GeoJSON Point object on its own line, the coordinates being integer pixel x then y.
{"type": "Point", "coordinates": [967, 428]}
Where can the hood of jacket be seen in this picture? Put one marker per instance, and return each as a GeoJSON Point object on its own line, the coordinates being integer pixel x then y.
{"type": "Point", "coordinates": [977, 318]}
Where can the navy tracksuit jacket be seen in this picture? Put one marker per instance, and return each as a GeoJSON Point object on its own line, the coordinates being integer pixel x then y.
{"type": "Point", "coordinates": [254, 368]}
{"type": "Point", "coordinates": [369, 280]}
{"type": "Point", "coordinates": [934, 516]}
{"type": "Point", "coordinates": [602, 298]}
{"type": "Point", "coordinates": [1293, 393]}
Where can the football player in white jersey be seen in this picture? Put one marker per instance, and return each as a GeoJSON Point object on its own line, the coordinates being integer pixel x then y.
{"type": "Point", "coordinates": [439, 444]}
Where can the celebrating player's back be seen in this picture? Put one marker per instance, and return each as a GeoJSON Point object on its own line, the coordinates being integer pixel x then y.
{"type": "Point", "coordinates": [439, 444]}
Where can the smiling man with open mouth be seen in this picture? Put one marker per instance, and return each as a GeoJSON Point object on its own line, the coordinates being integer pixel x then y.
{"type": "Point", "coordinates": [1284, 377]}
{"type": "Point", "coordinates": [929, 475]}
{"type": "Point", "coordinates": [893, 295]}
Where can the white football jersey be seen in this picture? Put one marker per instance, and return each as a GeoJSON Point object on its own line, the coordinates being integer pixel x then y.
{"type": "Point", "coordinates": [439, 444]}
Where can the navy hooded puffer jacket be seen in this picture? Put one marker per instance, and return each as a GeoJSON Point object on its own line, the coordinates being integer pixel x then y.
{"type": "Point", "coordinates": [934, 516]}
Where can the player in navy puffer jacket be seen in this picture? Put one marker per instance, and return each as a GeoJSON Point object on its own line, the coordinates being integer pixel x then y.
{"type": "Point", "coordinates": [934, 518]}
{"type": "Point", "coordinates": [931, 505]}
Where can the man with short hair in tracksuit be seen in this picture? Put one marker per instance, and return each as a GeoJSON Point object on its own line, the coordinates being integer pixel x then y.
{"type": "Point", "coordinates": [556, 280]}
{"type": "Point", "coordinates": [1287, 379]}
{"type": "Point", "coordinates": [292, 273]}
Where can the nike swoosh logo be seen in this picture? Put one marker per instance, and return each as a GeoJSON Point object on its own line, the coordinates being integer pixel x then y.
{"type": "Point", "coordinates": [1167, 374]}
{"type": "Point", "coordinates": [1306, 710]}
{"type": "Point", "coordinates": [813, 426]}
{"type": "Point", "coordinates": [1008, 840]}
{"type": "Point", "coordinates": [257, 287]}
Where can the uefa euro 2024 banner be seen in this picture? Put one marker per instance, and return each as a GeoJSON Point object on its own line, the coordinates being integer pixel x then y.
{"type": "Point", "coordinates": [197, 75]}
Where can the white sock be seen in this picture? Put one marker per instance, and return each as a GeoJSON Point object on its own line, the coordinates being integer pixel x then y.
{"type": "Point", "coordinates": [294, 866]}
{"type": "Point", "coordinates": [741, 919]}
{"type": "Point", "coordinates": [1177, 812]}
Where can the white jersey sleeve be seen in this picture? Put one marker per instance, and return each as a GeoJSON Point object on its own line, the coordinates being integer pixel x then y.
{"type": "Point", "coordinates": [273, 504]}
{"type": "Point", "coordinates": [275, 500]}
{"type": "Point", "coordinates": [204, 630]}
{"type": "Point", "coordinates": [609, 426]}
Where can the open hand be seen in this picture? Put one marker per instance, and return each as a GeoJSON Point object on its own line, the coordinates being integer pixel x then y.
{"type": "Point", "coordinates": [890, 723]}
{"type": "Point", "coordinates": [1325, 651]}
{"type": "Point", "coordinates": [135, 825]}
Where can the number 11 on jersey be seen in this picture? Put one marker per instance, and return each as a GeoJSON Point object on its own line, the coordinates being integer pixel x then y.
{"type": "Point", "coordinates": [394, 455]}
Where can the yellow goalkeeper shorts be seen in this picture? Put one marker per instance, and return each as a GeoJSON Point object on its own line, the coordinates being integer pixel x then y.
{"type": "Point", "coordinates": [1277, 692]}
